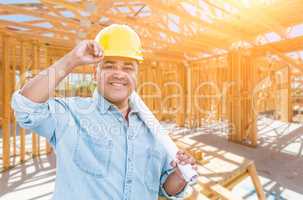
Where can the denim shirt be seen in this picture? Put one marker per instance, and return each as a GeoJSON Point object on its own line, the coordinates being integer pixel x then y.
{"type": "Point", "coordinates": [99, 155]}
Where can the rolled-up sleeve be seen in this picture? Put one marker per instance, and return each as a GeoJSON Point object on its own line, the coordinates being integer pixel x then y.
{"type": "Point", "coordinates": [166, 171]}
{"type": "Point", "coordinates": [39, 117]}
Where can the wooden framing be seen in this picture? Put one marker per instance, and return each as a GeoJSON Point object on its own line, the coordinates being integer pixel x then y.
{"type": "Point", "coordinates": [241, 112]}
{"type": "Point", "coordinates": [35, 137]}
{"type": "Point", "coordinates": [22, 82]}
{"type": "Point", "coordinates": [234, 27]}
{"type": "Point", "coordinates": [202, 65]}
{"type": "Point", "coordinates": [5, 102]}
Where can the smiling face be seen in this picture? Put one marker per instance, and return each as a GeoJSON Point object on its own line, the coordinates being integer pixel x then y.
{"type": "Point", "coordinates": [116, 79]}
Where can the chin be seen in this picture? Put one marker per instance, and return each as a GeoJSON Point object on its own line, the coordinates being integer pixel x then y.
{"type": "Point", "coordinates": [118, 98]}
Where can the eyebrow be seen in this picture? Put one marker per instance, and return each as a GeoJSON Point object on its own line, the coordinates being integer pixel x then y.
{"type": "Point", "coordinates": [109, 62]}
{"type": "Point", "coordinates": [128, 63]}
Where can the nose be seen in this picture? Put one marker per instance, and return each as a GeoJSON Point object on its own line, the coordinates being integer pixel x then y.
{"type": "Point", "coordinates": [119, 74]}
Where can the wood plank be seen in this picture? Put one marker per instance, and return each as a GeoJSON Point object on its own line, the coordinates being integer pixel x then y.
{"type": "Point", "coordinates": [48, 63]}
{"type": "Point", "coordinates": [35, 137]}
{"type": "Point", "coordinates": [256, 181]}
{"type": "Point", "coordinates": [13, 86]}
{"type": "Point", "coordinates": [224, 193]}
{"type": "Point", "coordinates": [22, 131]}
{"type": "Point", "coordinates": [6, 102]}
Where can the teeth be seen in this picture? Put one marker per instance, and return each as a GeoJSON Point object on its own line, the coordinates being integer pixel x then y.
{"type": "Point", "coordinates": [117, 84]}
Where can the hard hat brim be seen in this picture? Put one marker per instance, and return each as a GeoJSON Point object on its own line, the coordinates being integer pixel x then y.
{"type": "Point", "coordinates": [123, 54]}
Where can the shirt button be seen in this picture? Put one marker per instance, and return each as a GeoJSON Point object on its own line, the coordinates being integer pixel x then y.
{"type": "Point", "coordinates": [129, 181]}
{"type": "Point", "coordinates": [129, 160]}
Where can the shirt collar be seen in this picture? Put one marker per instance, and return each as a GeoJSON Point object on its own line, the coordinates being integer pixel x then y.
{"type": "Point", "coordinates": [133, 108]}
{"type": "Point", "coordinates": [102, 104]}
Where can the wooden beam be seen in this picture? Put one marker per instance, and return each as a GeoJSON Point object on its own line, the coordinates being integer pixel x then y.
{"type": "Point", "coordinates": [155, 30]}
{"type": "Point", "coordinates": [35, 137]}
{"type": "Point", "coordinates": [6, 102]}
{"type": "Point", "coordinates": [283, 46]}
{"type": "Point", "coordinates": [215, 31]}
{"type": "Point", "coordinates": [37, 38]}
{"type": "Point", "coordinates": [22, 131]}
{"type": "Point", "coordinates": [13, 86]}
{"type": "Point", "coordinates": [69, 23]}
{"type": "Point", "coordinates": [35, 28]}
{"type": "Point", "coordinates": [73, 7]}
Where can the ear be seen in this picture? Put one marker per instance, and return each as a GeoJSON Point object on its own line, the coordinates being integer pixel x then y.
{"type": "Point", "coordinates": [137, 64]}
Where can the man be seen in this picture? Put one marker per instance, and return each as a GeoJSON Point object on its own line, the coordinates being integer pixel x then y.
{"type": "Point", "coordinates": [103, 148]}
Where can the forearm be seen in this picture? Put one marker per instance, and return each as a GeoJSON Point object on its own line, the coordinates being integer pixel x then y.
{"type": "Point", "coordinates": [174, 184]}
{"type": "Point", "coordinates": [42, 86]}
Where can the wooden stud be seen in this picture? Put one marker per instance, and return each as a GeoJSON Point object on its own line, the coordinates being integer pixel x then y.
{"type": "Point", "coordinates": [189, 95]}
{"type": "Point", "coordinates": [284, 91]}
{"type": "Point", "coordinates": [180, 120]}
{"type": "Point", "coordinates": [35, 137]}
{"type": "Point", "coordinates": [6, 119]}
{"type": "Point", "coordinates": [13, 87]}
{"type": "Point", "coordinates": [22, 131]}
{"type": "Point", "coordinates": [48, 63]}
{"type": "Point", "coordinates": [241, 113]}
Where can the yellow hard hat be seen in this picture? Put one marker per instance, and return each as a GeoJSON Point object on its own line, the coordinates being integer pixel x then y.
{"type": "Point", "coordinates": [120, 40]}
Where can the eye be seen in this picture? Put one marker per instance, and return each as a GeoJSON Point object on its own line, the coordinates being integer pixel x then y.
{"type": "Point", "coordinates": [128, 68]}
{"type": "Point", "coordinates": [108, 66]}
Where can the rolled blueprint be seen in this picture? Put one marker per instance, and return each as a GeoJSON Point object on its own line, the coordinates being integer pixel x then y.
{"type": "Point", "coordinates": [162, 135]}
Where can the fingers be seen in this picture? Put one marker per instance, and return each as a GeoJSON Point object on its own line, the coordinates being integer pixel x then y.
{"type": "Point", "coordinates": [173, 164]}
{"type": "Point", "coordinates": [183, 158]}
{"type": "Point", "coordinates": [93, 53]}
{"type": "Point", "coordinates": [95, 48]}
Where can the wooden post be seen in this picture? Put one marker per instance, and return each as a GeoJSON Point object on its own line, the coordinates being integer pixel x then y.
{"type": "Point", "coordinates": [189, 95]}
{"type": "Point", "coordinates": [289, 95]}
{"type": "Point", "coordinates": [35, 137]}
{"type": "Point", "coordinates": [48, 63]}
{"type": "Point", "coordinates": [149, 100]}
{"type": "Point", "coordinates": [22, 131]}
{"type": "Point", "coordinates": [181, 107]}
{"type": "Point", "coordinates": [194, 110]}
{"type": "Point", "coordinates": [285, 95]}
{"type": "Point", "coordinates": [6, 102]}
{"type": "Point", "coordinates": [153, 90]}
{"type": "Point", "coordinates": [241, 112]}
{"type": "Point", "coordinates": [158, 79]}
{"type": "Point", "coordinates": [13, 87]}
{"type": "Point", "coordinates": [196, 104]}
{"type": "Point", "coordinates": [253, 111]}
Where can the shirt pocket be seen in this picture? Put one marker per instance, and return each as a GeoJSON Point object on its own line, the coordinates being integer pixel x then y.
{"type": "Point", "coordinates": [153, 168]}
{"type": "Point", "coordinates": [93, 155]}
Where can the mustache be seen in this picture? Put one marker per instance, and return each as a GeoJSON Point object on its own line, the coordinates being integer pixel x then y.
{"type": "Point", "coordinates": [118, 80]}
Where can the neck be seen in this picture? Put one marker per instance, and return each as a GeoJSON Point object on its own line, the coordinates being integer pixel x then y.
{"type": "Point", "coordinates": [123, 107]}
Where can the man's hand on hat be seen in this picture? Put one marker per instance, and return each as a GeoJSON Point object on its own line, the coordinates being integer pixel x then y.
{"type": "Point", "coordinates": [85, 53]}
